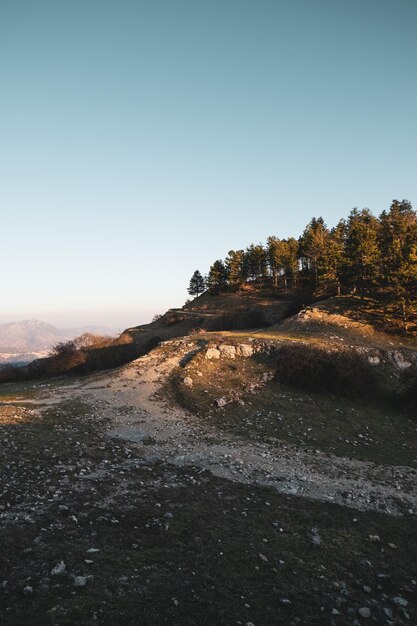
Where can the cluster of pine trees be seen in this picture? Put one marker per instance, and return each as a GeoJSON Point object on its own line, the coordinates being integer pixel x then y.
{"type": "Point", "coordinates": [363, 254]}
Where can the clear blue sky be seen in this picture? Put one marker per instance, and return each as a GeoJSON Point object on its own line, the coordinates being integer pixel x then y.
{"type": "Point", "coordinates": [143, 140]}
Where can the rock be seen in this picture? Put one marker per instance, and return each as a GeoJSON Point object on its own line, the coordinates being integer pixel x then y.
{"type": "Point", "coordinates": [285, 601]}
{"type": "Point", "coordinates": [188, 381]}
{"type": "Point", "coordinates": [28, 590]}
{"type": "Point", "coordinates": [220, 402]}
{"type": "Point", "coordinates": [263, 558]}
{"type": "Point", "coordinates": [399, 360]}
{"type": "Point", "coordinates": [315, 538]}
{"type": "Point", "coordinates": [335, 612]}
{"type": "Point", "coordinates": [364, 612]}
{"type": "Point", "coordinates": [212, 353]}
{"type": "Point", "coordinates": [59, 569]}
{"type": "Point", "coordinates": [80, 581]}
{"type": "Point", "coordinates": [92, 550]}
{"type": "Point", "coordinates": [245, 350]}
{"type": "Point", "coordinates": [399, 601]}
{"type": "Point", "coordinates": [228, 352]}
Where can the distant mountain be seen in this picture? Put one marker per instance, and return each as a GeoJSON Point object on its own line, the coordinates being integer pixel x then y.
{"type": "Point", "coordinates": [95, 330]}
{"type": "Point", "coordinates": [30, 339]}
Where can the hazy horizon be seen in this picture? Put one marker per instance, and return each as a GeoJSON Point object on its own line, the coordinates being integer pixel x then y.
{"type": "Point", "coordinates": [75, 319]}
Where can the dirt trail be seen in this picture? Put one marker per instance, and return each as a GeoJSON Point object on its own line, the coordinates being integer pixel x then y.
{"type": "Point", "coordinates": [127, 397]}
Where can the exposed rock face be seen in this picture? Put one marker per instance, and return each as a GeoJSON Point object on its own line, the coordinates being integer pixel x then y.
{"type": "Point", "coordinates": [212, 353]}
{"type": "Point", "coordinates": [228, 352]}
{"type": "Point", "coordinates": [244, 349]}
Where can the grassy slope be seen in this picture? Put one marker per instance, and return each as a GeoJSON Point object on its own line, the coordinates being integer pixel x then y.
{"type": "Point", "coordinates": [367, 428]}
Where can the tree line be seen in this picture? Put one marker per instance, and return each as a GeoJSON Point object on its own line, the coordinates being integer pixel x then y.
{"type": "Point", "coordinates": [362, 254]}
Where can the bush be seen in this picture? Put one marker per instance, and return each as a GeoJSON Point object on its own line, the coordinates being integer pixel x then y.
{"type": "Point", "coordinates": [344, 372]}
{"type": "Point", "coordinates": [408, 390]}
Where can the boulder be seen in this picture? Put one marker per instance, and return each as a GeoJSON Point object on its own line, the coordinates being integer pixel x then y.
{"type": "Point", "coordinates": [227, 351]}
{"type": "Point", "coordinates": [245, 350]}
{"type": "Point", "coordinates": [212, 353]}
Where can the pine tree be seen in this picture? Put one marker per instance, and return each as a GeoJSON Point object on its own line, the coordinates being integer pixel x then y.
{"type": "Point", "coordinates": [312, 245]}
{"type": "Point", "coordinates": [197, 284]}
{"type": "Point", "coordinates": [235, 266]}
{"type": "Point", "coordinates": [362, 254]}
{"type": "Point", "coordinates": [257, 261]}
{"type": "Point", "coordinates": [291, 262]}
{"type": "Point", "coordinates": [283, 260]}
{"type": "Point", "coordinates": [398, 250]}
{"type": "Point", "coordinates": [332, 261]}
{"type": "Point", "coordinates": [217, 277]}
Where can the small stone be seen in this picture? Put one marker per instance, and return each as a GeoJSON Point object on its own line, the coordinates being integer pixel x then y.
{"type": "Point", "coordinates": [399, 601]}
{"type": "Point", "coordinates": [28, 590]}
{"type": "Point", "coordinates": [316, 539]}
{"type": "Point", "coordinates": [263, 558]}
{"type": "Point", "coordinates": [80, 581]}
{"type": "Point", "coordinates": [335, 612]}
{"type": "Point", "coordinates": [285, 601]}
{"type": "Point", "coordinates": [92, 550]}
{"type": "Point", "coordinates": [60, 568]}
{"type": "Point", "coordinates": [220, 402]}
{"type": "Point", "coordinates": [188, 381]}
{"type": "Point", "coordinates": [364, 612]}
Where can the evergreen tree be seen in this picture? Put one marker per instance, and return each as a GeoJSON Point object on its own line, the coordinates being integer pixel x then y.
{"type": "Point", "coordinates": [291, 262]}
{"type": "Point", "coordinates": [283, 260]}
{"type": "Point", "coordinates": [273, 259]}
{"type": "Point", "coordinates": [257, 261]}
{"type": "Point", "coordinates": [235, 266]}
{"type": "Point", "coordinates": [217, 277]}
{"type": "Point", "coordinates": [312, 245]}
{"type": "Point", "coordinates": [332, 261]}
{"type": "Point", "coordinates": [398, 250]}
{"type": "Point", "coordinates": [197, 284]}
{"type": "Point", "coordinates": [362, 255]}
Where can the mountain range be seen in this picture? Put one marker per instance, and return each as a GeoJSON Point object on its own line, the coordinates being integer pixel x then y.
{"type": "Point", "coordinates": [31, 339]}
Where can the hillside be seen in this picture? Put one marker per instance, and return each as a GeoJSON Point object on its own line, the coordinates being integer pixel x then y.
{"type": "Point", "coordinates": [252, 476]}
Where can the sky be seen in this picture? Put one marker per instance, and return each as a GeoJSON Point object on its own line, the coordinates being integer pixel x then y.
{"type": "Point", "coordinates": [140, 141]}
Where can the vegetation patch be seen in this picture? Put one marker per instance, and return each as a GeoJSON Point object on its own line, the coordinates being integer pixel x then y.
{"type": "Point", "coordinates": [344, 372]}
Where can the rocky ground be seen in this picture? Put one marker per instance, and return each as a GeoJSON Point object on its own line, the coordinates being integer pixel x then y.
{"type": "Point", "coordinates": [118, 507]}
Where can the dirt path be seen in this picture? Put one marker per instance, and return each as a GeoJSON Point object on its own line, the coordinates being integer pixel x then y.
{"type": "Point", "coordinates": [127, 396]}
